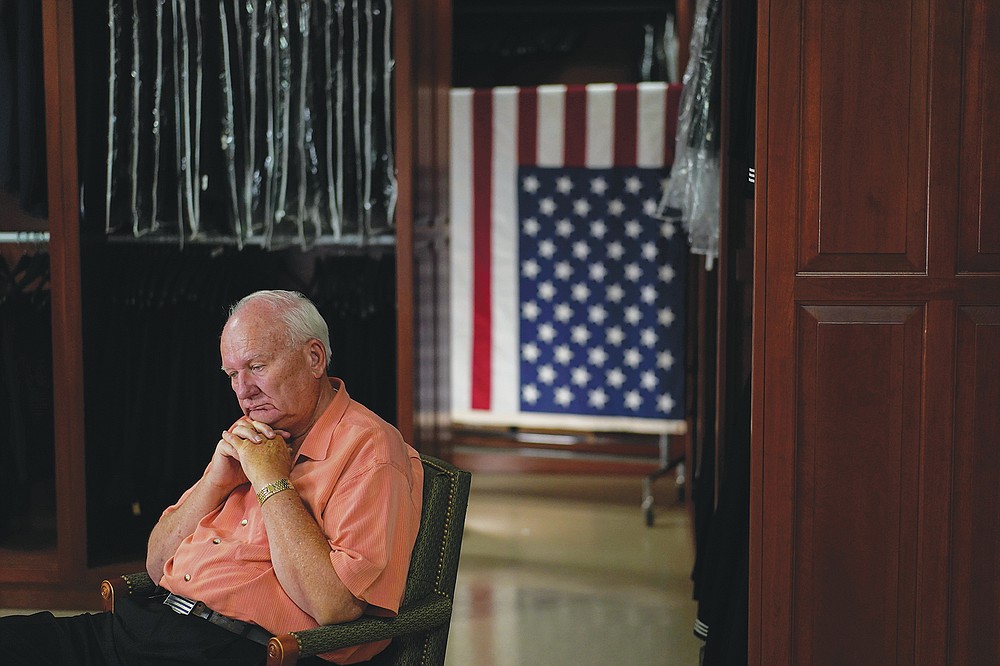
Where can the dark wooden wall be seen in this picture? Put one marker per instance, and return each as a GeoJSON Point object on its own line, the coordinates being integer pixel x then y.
{"type": "Point", "coordinates": [874, 508]}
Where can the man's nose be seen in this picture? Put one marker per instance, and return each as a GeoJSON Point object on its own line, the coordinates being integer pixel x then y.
{"type": "Point", "coordinates": [243, 385]}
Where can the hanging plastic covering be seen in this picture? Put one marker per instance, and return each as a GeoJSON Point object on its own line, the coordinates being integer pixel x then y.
{"type": "Point", "coordinates": [255, 121]}
{"type": "Point", "coordinates": [693, 191]}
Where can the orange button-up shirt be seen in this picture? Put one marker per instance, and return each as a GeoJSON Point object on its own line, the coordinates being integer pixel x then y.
{"type": "Point", "coordinates": [364, 486]}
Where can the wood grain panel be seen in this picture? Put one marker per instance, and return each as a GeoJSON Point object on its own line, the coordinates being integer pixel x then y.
{"type": "Point", "coordinates": [856, 483]}
{"type": "Point", "coordinates": [975, 603]}
{"type": "Point", "coordinates": [865, 148]}
{"type": "Point", "coordinates": [979, 227]}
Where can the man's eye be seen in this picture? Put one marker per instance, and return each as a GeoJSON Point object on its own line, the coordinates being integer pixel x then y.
{"type": "Point", "coordinates": [256, 368]}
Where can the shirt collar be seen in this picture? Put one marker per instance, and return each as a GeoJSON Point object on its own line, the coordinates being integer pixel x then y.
{"type": "Point", "coordinates": [314, 447]}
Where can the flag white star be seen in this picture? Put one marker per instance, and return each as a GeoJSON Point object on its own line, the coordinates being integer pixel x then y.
{"type": "Point", "coordinates": [530, 184]}
{"type": "Point", "coordinates": [530, 269]}
{"type": "Point", "coordinates": [598, 229]}
{"type": "Point", "coordinates": [581, 207]}
{"type": "Point", "coordinates": [580, 334]}
{"type": "Point", "coordinates": [615, 336]}
{"type": "Point", "coordinates": [649, 251]}
{"type": "Point", "coordinates": [529, 393]}
{"type": "Point", "coordinates": [598, 272]}
{"type": "Point", "coordinates": [531, 227]}
{"type": "Point", "coordinates": [667, 230]}
{"type": "Point", "coordinates": [564, 396]}
{"type": "Point", "coordinates": [667, 273]}
{"type": "Point", "coordinates": [649, 207]}
{"type": "Point", "coordinates": [530, 310]}
{"type": "Point", "coordinates": [564, 228]}
{"type": "Point", "coordinates": [633, 272]}
{"type": "Point", "coordinates": [633, 228]}
{"type": "Point", "coordinates": [665, 404]}
{"type": "Point", "coordinates": [563, 270]}
{"type": "Point", "coordinates": [564, 184]}
{"type": "Point", "coordinates": [598, 398]}
{"type": "Point", "coordinates": [616, 207]}
{"type": "Point", "coordinates": [665, 317]}
{"type": "Point", "coordinates": [546, 374]}
{"type": "Point", "coordinates": [581, 250]}
{"type": "Point", "coordinates": [547, 206]}
{"type": "Point", "coordinates": [596, 356]}
{"type": "Point", "coordinates": [649, 380]}
{"type": "Point", "coordinates": [596, 314]}
{"type": "Point", "coordinates": [633, 358]}
{"type": "Point", "coordinates": [563, 354]}
{"type": "Point", "coordinates": [649, 337]}
{"type": "Point", "coordinates": [633, 185]}
{"type": "Point", "coordinates": [616, 250]}
{"type": "Point", "coordinates": [633, 315]}
{"type": "Point", "coordinates": [598, 186]}
{"type": "Point", "coordinates": [530, 352]}
{"type": "Point", "coordinates": [615, 293]}
{"type": "Point", "coordinates": [546, 248]}
{"type": "Point", "coordinates": [633, 400]}
{"type": "Point", "coordinates": [563, 312]}
{"type": "Point", "coordinates": [546, 291]}
{"type": "Point", "coordinates": [546, 332]}
{"type": "Point", "coordinates": [581, 292]}
{"type": "Point", "coordinates": [580, 376]}
{"type": "Point", "coordinates": [665, 360]}
{"type": "Point", "coordinates": [647, 294]}
{"type": "Point", "coordinates": [616, 377]}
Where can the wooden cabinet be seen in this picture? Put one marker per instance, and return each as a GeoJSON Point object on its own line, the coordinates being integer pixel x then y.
{"type": "Point", "coordinates": [62, 576]}
{"type": "Point", "coordinates": [876, 323]}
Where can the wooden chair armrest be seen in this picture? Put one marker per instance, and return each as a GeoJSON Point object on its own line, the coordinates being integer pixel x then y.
{"type": "Point", "coordinates": [421, 615]}
{"type": "Point", "coordinates": [138, 584]}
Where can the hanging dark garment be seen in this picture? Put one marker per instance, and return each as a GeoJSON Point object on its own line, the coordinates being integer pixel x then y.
{"type": "Point", "coordinates": [22, 105]}
{"type": "Point", "coordinates": [27, 442]}
{"type": "Point", "coordinates": [723, 570]}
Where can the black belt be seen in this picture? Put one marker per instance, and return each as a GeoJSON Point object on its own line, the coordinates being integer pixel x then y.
{"type": "Point", "coordinates": [186, 606]}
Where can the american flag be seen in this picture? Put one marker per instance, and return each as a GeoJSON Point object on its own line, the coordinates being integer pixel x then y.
{"type": "Point", "coordinates": [567, 292]}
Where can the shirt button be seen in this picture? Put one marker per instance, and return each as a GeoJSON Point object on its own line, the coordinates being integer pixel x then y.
{"type": "Point", "coordinates": [244, 522]}
{"type": "Point", "coordinates": [216, 540]}
{"type": "Point", "coordinates": [187, 577]}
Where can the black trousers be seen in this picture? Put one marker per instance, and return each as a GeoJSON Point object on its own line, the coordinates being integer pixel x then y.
{"type": "Point", "coordinates": [139, 633]}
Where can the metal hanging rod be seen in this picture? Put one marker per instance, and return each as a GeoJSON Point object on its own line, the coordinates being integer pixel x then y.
{"type": "Point", "coordinates": [25, 237]}
{"type": "Point", "coordinates": [352, 242]}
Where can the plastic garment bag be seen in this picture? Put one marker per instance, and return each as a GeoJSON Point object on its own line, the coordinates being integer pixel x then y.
{"type": "Point", "coordinates": [260, 121]}
{"type": "Point", "coordinates": [693, 191]}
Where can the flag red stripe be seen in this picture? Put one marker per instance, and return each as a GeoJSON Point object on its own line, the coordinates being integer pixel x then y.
{"type": "Point", "coordinates": [670, 132]}
{"type": "Point", "coordinates": [626, 124]}
{"type": "Point", "coordinates": [527, 126]}
{"type": "Point", "coordinates": [575, 147]}
{"type": "Point", "coordinates": [482, 232]}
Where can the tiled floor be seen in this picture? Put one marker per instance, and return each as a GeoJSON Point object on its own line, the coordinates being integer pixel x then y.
{"type": "Point", "coordinates": [563, 570]}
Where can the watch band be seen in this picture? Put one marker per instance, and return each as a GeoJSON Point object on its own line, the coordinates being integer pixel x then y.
{"type": "Point", "coordinates": [272, 488]}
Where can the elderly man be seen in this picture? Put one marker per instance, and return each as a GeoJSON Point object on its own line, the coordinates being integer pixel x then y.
{"type": "Point", "coordinates": [305, 515]}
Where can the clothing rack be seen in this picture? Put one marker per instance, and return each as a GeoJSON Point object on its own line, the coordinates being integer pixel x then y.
{"type": "Point", "coordinates": [349, 243]}
{"type": "Point", "coordinates": [352, 243]}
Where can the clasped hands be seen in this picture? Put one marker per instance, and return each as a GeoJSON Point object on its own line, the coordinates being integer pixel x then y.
{"type": "Point", "coordinates": [250, 451]}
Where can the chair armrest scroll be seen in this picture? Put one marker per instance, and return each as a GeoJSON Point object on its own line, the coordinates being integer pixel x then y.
{"type": "Point", "coordinates": [431, 611]}
{"type": "Point", "coordinates": [139, 584]}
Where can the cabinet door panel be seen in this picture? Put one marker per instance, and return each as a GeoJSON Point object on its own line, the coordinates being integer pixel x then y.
{"type": "Point", "coordinates": [864, 87]}
{"type": "Point", "coordinates": [979, 234]}
{"type": "Point", "coordinates": [857, 453]}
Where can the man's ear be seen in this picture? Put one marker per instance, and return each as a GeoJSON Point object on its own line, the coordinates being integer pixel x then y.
{"type": "Point", "coordinates": [317, 358]}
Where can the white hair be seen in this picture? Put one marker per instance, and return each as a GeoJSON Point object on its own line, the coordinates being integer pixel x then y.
{"type": "Point", "coordinates": [299, 315]}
